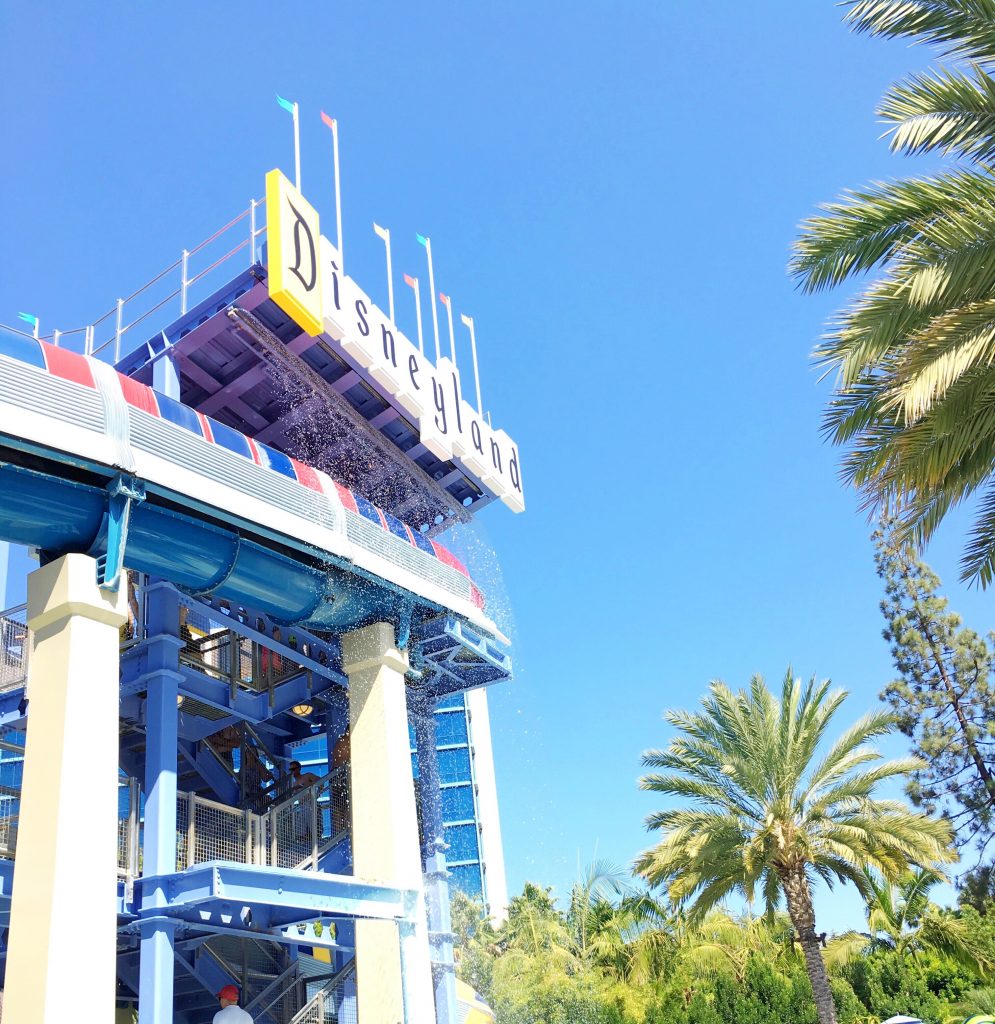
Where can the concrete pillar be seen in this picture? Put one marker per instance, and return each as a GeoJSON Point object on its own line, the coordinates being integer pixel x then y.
{"type": "Point", "coordinates": [162, 652]}
{"type": "Point", "coordinates": [66, 864]}
{"type": "Point", "coordinates": [433, 852]}
{"type": "Point", "coordinates": [385, 828]}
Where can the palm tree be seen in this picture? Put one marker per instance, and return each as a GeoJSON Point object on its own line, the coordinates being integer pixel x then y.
{"type": "Point", "coordinates": [914, 402]}
{"type": "Point", "coordinates": [591, 910]}
{"type": "Point", "coordinates": [720, 943]}
{"type": "Point", "coordinates": [771, 814]}
{"type": "Point", "coordinates": [901, 917]}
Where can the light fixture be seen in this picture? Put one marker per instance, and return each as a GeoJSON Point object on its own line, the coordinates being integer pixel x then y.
{"type": "Point", "coordinates": [302, 710]}
{"type": "Point", "coordinates": [179, 700]}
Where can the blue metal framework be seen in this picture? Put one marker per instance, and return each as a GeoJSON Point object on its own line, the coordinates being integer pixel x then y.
{"type": "Point", "coordinates": [192, 727]}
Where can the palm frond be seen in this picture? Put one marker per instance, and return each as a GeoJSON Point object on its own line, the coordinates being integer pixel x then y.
{"type": "Point", "coordinates": [948, 110]}
{"type": "Point", "coordinates": [960, 28]}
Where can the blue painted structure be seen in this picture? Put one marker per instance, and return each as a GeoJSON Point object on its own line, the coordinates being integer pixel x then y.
{"type": "Point", "coordinates": [57, 504]}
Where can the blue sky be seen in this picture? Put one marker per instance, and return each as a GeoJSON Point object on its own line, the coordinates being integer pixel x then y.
{"type": "Point", "coordinates": [611, 191]}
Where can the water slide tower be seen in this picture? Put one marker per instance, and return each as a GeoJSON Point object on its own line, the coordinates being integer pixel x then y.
{"type": "Point", "coordinates": [243, 724]}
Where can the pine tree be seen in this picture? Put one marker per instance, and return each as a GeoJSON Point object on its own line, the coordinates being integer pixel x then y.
{"type": "Point", "coordinates": [944, 698]}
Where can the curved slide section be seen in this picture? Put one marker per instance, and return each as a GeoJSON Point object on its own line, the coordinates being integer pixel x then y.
{"type": "Point", "coordinates": [211, 510]}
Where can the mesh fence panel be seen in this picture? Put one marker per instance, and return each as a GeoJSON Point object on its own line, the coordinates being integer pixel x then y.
{"type": "Point", "coordinates": [333, 805]}
{"type": "Point", "coordinates": [182, 822]}
{"type": "Point", "coordinates": [124, 828]}
{"type": "Point", "coordinates": [219, 832]}
{"type": "Point", "coordinates": [9, 810]}
{"type": "Point", "coordinates": [294, 836]}
{"type": "Point", "coordinates": [11, 774]}
{"type": "Point", "coordinates": [13, 649]}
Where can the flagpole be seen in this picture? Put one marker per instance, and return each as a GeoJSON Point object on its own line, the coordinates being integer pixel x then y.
{"type": "Point", "coordinates": [427, 242]}
{"type": "Point", "coordinates": [447, 301]}
{"type": "Point", "coordinates": [334, 125]}
{"type": "Point", "coordinates": [384, 233]}
{"type": "Point", "coordinates": [297, 146]}
{"type": "Point", "coordinates": [468, 320]}
{"type": "Point", "coordinates": [412, 282]}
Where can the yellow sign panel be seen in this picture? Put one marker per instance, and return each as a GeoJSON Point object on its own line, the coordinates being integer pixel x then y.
{"type": "Point", "coordinates": [293, 253]}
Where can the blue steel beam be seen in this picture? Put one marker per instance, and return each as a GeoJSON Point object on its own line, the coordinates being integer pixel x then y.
{"type": "Point", "coordinates": [460, 657]}
{"type": "Point", "coordinates": [224, 891]}
{"type": "Point", "coordinates": [246, 288]}
{"type": "Point", "coordinates": [206, 765]}
{"type": "Point", "coordinates": [322, 657]}
{"type": "Point", "coordinates": [252, 707]}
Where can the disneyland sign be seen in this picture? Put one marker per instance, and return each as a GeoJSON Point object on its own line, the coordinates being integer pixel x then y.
{"type": "Point", "coordinates": [305, 280]}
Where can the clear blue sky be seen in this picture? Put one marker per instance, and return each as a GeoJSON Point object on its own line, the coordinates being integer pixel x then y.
{"type": "Point", "coordinates": [611, 190]}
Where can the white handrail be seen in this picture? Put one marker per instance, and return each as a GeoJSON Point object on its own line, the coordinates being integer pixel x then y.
{"type": "Point", "coordinates": [187, 281]}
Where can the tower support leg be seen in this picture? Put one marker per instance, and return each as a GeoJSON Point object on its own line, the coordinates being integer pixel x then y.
{"type": "Point", "coordinates": [385, 828]}
{"type": "Point", "coordinates": [162, 650]}
{"type": "Point", "coordinates": [66, 863]}
{"type": "Point", "coordinates": [433, 852]}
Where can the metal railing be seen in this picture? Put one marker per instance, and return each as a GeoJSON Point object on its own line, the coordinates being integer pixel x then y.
{"type": "Point", "coordinates": [128, 812]}
{"type": "Point", "coordinates": [11, 776]}
{"type": "Point", "coordinates": [174, 285]}
{"type": "Point", "coordinates": [14, 646]}
{"type": "Point", "coordinates": [293, 833]}
{"type": "Point", "coordinates": [213, 648]}
{"type": "Point", "coordinates": [15, 637]}
{"type": "Point", "coordinates": [326, 1004]}
{"type": "Point", "coordinates": [207, 830]}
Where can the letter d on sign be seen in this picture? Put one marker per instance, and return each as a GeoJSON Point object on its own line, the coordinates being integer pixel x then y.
{"type": "Point", "coordinates": [292, 257]}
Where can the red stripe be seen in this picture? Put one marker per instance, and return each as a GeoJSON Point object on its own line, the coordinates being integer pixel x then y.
{"type": "Point", "coordinates": [383, 518]}
{"type": "Point", "coordinates": [138, 395]}
{"type": "Point", "coordinates": [205, 426]}
{"type": "Point", "coordinates": [346, 496]}
{"type": "Point", "coordinates": [307, 476]}
{"type": "Point", "coordinates": [476, 596]}
{"type": "Point", "coordinates": [256, 457]}
{"type": "Point", "coordinates": [411, 536]}
{"type": "Point", "coordinates": [445, 556]}
{"type": "Point", "coordinates": [67, 365]}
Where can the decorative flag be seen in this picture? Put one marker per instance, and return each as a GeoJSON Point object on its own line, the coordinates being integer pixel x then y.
{"type": "Point", "coordinates": [468, 320]}
{"type": "Point", "coordinates": [382, 232]}
{"type": "Point", "coordinates": [28, 318]}
{"type": "Point", "coordinates": [330, 121]}
{"type": "Point", "coordinates": [286, 104]}
{"type": "Point", "coordinates": [410, 281]}
{"type": "Point", "coordinates": [421, 239]}
{"type": "Point", "coordinates": [444, 299]}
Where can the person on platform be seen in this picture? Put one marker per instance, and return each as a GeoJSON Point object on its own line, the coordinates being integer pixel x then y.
{"type": "Point", "coordinates": [230, 1012]}
{"type": "Point", "coordinates": [300, 779]}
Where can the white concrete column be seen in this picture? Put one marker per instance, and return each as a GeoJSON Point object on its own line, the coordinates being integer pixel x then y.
{"type": "Point", "coordinates": [65, 876]}
{"type": "Point", "coordinates": [384, 827]}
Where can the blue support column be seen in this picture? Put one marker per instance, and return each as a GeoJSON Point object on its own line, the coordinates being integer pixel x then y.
{"type": "Point", "coordinates": [165, 378]}
{"type": "Point", "coordinates": [434, 858]}
{"type": "Point", "coordinates": [155, 996]}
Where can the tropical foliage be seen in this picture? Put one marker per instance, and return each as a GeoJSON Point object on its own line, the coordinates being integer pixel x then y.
{"type": "Point", "coordinates": [913, 354]}
{"type": "Point", "coordinates": [774, 810]}
{"type": "Point", "coordinates": [725, 968]}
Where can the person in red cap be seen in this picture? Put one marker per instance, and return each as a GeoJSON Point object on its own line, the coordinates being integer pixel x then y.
{"type": "Point", "coordinates": [230, 1012]}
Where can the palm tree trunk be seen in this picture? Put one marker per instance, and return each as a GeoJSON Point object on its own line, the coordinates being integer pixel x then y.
{"type": "Point", "coordinates": [802, 914]}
